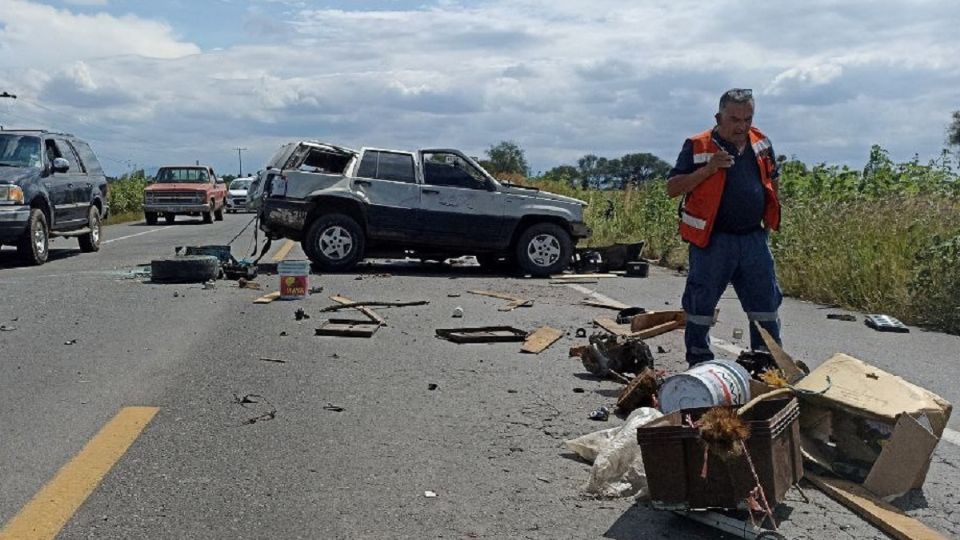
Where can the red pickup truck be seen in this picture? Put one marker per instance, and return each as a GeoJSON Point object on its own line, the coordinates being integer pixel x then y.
{"type": "Point", "coordinates": [187, 190]}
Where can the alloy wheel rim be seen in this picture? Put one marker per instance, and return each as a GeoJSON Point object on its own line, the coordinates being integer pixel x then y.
{"type": "Point", "coordinates": [336, 243]}
{"type": "Point", "coordinates": [543, 250]}
{"type": "Point", "coordinates": [40, 239]}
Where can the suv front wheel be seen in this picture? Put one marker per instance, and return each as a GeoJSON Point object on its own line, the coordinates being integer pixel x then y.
{"type": "Point", "coordinates": [334, 242]}
{"type": "Point", "coordinates": [544, 249]}
{"type": "Point", "coordinates": [34, 246]}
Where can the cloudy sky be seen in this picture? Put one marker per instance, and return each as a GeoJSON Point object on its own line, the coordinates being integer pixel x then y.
{"type": "Point", "coordinates": [150, 83]}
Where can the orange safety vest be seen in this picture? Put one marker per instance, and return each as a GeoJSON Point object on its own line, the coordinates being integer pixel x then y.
{"type": "Point", "coordinates": [698, 209]}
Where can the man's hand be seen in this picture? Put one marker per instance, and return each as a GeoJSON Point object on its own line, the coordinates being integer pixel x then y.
{"type": "Point", "coordinates": [720, 160]}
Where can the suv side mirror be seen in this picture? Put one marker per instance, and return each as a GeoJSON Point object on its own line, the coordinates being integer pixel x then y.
{"type": "Point", "coordinates": [60, 165]}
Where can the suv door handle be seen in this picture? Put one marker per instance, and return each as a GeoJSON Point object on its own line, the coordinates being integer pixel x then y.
{"type": "Point", "coordinates": [363, 182]}
{"type": "Point", "coordinates": [435, 192]}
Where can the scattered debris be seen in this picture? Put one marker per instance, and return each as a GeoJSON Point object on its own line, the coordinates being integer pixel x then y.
{"type": "Point", "coordinates": [453, 295]}
{"type": "Point", "coordinates": [638, 269]}
{"type": "Point", "coordinates": [333, 408]}
{"type": "Point", "coordinates": [374, 303]}
{"type": "Point", "coordinates": [432, 386]}
{"type": "Point", "coordinates": [267, 298]}
{"type": "Point", "coordinates": [540, 339]}
{"type": "Point", "coordinates": [616, 306]}
{"type": "Point", "coordinates": [640, 392]}
{"type": "Point", "coordinates": [578, 281]}
{"type": "Point", "coordinates": [625, 315]}
{"type": "Point", "coordinates": [661, 350]}
{"type": "Point", "coordinates": [483, 334]}
{"type": "Point", "coordinates": [348, 328]}
{"type": "Point", "coordinates": [209, 285]}
{"type": "Point", "coordinates": [583, 276]}
{"type": "Point", "coordinates": [606, 355]}
{"type": "Point", "coordinates": [274, 360]}
{"type": "Point", "coordinates": [228, 266]}
{"type": "Point", "coordinates": [371, 314]}
{"type": "Point", "coordinates": [248, 398]}
{"type": "Point", "coordinates": [707, 384]}
{"type": "Point", "coordinates": [654, 323]}
{"type": "Point", "coordinates": [885, 323]}
{"type": "Point", "coordinates": [601, 414]}
{"type": "Point", "coordinates": [263, 417]}
{"type": "Point", "coordinates": [457, 312]}
{"type": "Point", "coordinates": [587, 261]}
{"type": "Point", "coordinates": [283, 333]}
{"type": "Point", "coordinates": [515, 301]}
{"type": "Point", "coordinates": [300, 314]}
{"type": "Point", "coordinates": [581, 333]}
{"type": "Point", "coordinates": [5, 328]}
{"type": "Point", "coordinates": [185, 269]}
{"type": "Point", "coordinates": [842, 317]}
{"type": "Point", "coordinates": [429, 494]}
{"type": "Point", "coordinates": [316, 289]}
{"type": "Point", "coordinates": [578, 390]}
{"type": "Point", "coordinates": [243, 283]}
{"type": "Point", "coordinates": [71, 342]}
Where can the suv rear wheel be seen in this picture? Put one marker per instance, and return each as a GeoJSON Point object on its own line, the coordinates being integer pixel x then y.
{"type": "Point", "coordinates": [34, 246]}
{"type": "Point", "coordinates": [90, 242]}
{"type": "Point", "coordinates": [334, 242]}
{"type": "Point", "coordinates": [543, 249]}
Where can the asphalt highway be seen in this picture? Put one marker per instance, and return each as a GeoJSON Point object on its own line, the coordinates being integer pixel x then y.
{"type": "Point", "coordinates": [138, 410]}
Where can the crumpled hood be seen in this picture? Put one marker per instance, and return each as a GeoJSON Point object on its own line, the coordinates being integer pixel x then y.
{"type": "Point", "coordinates": [542, 195]}
{"type": "Point", "coordinates": [173, 186]}
{"type": "Point", "coordinates": [16, 175]}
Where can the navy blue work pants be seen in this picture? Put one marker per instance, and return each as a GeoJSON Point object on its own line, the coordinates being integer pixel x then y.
{"type": "Point", "coordinates": [745, 261]}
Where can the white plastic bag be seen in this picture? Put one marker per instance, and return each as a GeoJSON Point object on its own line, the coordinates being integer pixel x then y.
{"type": "Point", "coordinates": [617, 465]}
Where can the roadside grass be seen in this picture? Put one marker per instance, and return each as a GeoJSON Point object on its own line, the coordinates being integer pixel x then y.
{"type": "Point", "coordinates": [126, 217]}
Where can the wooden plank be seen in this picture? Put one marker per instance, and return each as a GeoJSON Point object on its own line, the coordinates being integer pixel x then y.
{"type": "Point", "coordinates": [886, 517]}
{"type": "Point", "coordinates": [657, 330]}
{"type": "Point", "coordinates": [267, 298]}
{"type": "Point", "coordinates": [651, 319]}
{"type": "Point", "coordinates": [485, 334]}
{"type": "Point", "coordinates": [501, 296]}
{"type": "Point", "coordinates": [606, 305]}
{"type": "Point", "coordinates": [347, 328]}
{"type": "Point", "coordinates": [612, 326]}
{"type": "Point", "coordinates": [540, 339]}
{"type": "Point", "coordinates": [371, 314]}
{"type": "Point", "coordinates": [583, 276]}
{"type": "Point", "coordinates": [579, 281]}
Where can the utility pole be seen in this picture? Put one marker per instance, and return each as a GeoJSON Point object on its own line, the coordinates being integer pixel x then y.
{"type": "Point", "coordinates": [7, 95]}
{"type": "Point", "coordinates": [240, 159]}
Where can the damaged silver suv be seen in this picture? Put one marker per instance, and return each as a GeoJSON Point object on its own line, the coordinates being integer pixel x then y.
{"type": "Point", "coordinates": [344, 205]}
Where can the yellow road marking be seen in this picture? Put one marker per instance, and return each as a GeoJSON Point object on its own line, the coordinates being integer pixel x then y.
{"type": "Point", "coordinates": [55, 504]}
{"type": "Point", "coordinates": [284, 250]}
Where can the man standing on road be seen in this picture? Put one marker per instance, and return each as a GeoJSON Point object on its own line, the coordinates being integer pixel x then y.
{"type": "Point", "coordinates": [728, 178]}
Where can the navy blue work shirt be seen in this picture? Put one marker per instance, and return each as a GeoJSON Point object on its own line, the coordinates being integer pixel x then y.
{"type": "Point", "coordinates": [743, 201]}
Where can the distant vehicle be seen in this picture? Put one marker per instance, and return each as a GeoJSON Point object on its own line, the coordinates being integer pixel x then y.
{"type": "Point", "coordinates": [186, 190]}
{"type": "Point", "coordinates": [237, 194]}
{"type": "Point", "coordinates": [51, 184]}
{"type": "Point", "coordinates": [344, 205]}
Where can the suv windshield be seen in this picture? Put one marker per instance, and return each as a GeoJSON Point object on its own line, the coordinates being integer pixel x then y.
{"type": "Point", "coordinates": [19, 151]}
{"type": "Point", "coordinates": [193, 176]}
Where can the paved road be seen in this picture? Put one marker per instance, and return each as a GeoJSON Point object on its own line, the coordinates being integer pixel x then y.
{"type": "Point", "coordinates": [487, 440]}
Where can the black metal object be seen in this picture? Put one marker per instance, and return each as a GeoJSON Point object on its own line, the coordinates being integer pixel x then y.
{"type": "Point", "coordinates": [231, 267]}
{"type": "Point", "coordinates": [483, 334]}
{"type": "Point", "coordinates": [885, 323]}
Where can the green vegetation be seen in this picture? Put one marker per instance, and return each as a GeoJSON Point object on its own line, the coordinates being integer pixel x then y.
{"type": "Point", "coordinates": [885, 239]}
{"type": "Point", "coordinates": [126, 197]}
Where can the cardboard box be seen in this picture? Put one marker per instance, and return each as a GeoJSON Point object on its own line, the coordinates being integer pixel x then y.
{"type": "Point", "coordinates": [870, 425]}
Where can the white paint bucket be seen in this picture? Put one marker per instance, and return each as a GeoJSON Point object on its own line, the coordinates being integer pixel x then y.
{"type": "Point", "coordinates": [708, 384]}
{"type": "Point", "coordinates": [294, 279]}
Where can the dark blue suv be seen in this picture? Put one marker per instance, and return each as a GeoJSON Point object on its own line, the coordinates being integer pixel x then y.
{"type": "Point", "coordinates": [51, 184]}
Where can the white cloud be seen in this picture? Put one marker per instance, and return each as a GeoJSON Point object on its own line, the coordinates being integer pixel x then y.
{"type": "Point", "coordinates": [562, 78]}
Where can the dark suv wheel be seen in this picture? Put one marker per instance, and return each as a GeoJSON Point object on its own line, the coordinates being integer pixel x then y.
{"type": "Point", "coordinates": [34, 246]}
{"type": "Point", "coordinates": [543, 249]}
{"type": "Point", "coordinates": [334, 242]}
{"type": "Point", "coordinates": [90, 242]}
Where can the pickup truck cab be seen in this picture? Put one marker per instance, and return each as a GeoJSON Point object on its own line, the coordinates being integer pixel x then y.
{"type": "Point", "coordinates": [185, 190]}
{"type": "Point", "coordinates": [51, 184]}
{"type": "Point", "coordinates": [344, 205]}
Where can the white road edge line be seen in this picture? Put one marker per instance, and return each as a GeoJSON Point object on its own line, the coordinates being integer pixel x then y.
{"type": "Point", "coordinates": [949, 435]}
{"type": "Point", "coordinates": [132, 235]}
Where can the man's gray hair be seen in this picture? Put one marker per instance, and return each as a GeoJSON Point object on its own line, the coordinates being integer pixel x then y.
{"type": "Point", "coordinates": [736, 95]}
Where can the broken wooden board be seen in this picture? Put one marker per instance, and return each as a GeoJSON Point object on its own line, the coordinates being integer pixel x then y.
{"type": "Point", "coordinates": [783, 360]}
{"type": "Point", "coordinates": [606, 305]}
{"type": "Point", "coordinates": [483, 334]}
{"type": "Point", "coordinates": [354, 305]}
{"type": "Point", "coordinates": [579, 281]}
{"type": "Point", "coordinates": [540, 339]}
{"type": "Point", "coordinates": [515, 301]}
{"type": "Point", "coordinates": [886, 517]}
{"type": "Point", "coordinates": [267, 298]}
{"type": "Point", "coordinates": [348, 328]}
{"type": "Point", "coordinates": [612, 326]}
{"type": "Point", "coordinates": [583, 276]}
{"type": "Point", "coordinates": [617, 329]}
{"type": "Point", "coordinates": [371, 314]}
{"type": "Point", "coordinates": [653, 323]}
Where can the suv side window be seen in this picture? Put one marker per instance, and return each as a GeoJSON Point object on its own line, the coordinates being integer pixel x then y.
{"type": "Point", "coordinates": [88, 158]}
{"type": "Point", "coordinates": [66, 151]}
{"type": "Point", "coordinates": [445, 169]}
{"type": "Point", "coordinates": [387, 166]}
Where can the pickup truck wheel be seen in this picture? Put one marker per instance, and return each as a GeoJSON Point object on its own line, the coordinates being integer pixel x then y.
{"type": "Point", "coordinates": [150, 218]}
{"type": "Point", "coordinates": [185, 269]}
{"type": "Point", "coordinates": [34, 246]}
{"type": "Point", "coordinates": [334, 242]}
{"type": "Point", "coordinates": [208, 216]}
{"type": "Point", "coordinates": [90, 242]}
{"type": "Point", "coordinates": [170, 218]}
{"type": "Point", "coordinates": [544, 249]}
{"type": "Point", "coordinates": [218, 214]}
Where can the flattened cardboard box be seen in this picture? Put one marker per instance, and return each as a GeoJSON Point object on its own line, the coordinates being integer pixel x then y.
{"type": "Point", "coordinates": [888, 426]}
